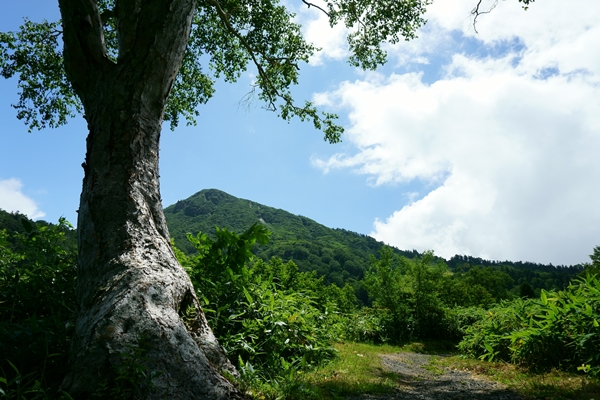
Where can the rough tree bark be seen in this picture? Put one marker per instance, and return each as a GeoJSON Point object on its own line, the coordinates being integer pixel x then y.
{"type": "Point", "coordinates": [131, 291]}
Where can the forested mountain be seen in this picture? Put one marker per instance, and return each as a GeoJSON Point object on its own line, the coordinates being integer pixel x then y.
{"type": "Point", "coordinates": [271, 316]}
{"type": "Point", "coordinates": [16, 223]}
{"type": "Point", "coordinates": [13, 222]}
{"type": "Point", "coordinates": [339, 255]}
{"type": "Point", "coordinates": [538, 276]}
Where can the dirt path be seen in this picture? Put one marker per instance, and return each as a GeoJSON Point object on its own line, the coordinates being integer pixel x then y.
{"type": "Point", "coordinates": [417, 378]}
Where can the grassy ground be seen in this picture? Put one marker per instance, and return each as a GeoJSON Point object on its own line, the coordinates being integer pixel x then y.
{"type": "Point", "coordinates": [358, 370]}
{"type": "Point", "coordinates": [553, 385]}
{"type": "Point", "coordinates": [355, 371]}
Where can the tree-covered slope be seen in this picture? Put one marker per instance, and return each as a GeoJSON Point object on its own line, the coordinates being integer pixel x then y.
{"type": "Point", "coordinates": [17, 223]}
{"type": "Point", "coordinates": [12, 222]}
{"type": "Point", "coordinates": [538, 276]}
{"type": "Point", "coordinates": [338, 254]}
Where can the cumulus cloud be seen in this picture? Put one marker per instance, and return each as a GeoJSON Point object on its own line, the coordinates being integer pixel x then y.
{"type": "Point", "coordinates": [12, 199]}
{"type": "Point", "coordinates": [507, 145]}
{"type": "Point", "coordinates": [552, 34]}
{"type": "Point", "coordinates": [316, 30]}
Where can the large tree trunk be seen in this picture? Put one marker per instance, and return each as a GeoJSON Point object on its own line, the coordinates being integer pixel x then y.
{"type": "Point", "coordinates": [131, 291]}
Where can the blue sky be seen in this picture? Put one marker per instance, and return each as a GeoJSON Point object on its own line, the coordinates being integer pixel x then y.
{"type": "Point", "coordinates": [483, 144]}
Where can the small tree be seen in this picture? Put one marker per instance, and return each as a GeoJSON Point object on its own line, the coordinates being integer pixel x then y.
{"type": "Point", "coordinates": [593, 268]}
{"type": "Point", "coordinates": [410, 293]}
{"type": "Point", "coordinates": [426, 277]}
{"type": "Point", "coordinates": [388, 287]}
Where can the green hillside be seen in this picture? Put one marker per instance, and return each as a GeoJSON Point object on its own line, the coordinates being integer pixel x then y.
{"type": "Point", "coordinates": [271, 316]}
{"type": "Point", "coordinates": [339, 255]}
{"type": "Point", "coordinates": [18, 224]}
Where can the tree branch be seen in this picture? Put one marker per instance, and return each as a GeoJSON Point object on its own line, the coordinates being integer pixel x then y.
{"type": "Point", "coordinates": [476, 13]}
{"type": "Point", "coordinates": [84, 50]}
{"type": "Point", "coordinates": [263, 75]}
{"type": "Point", "coordinates": [271, 91]}
{"type": "Point", "coordinates": [225, 19]}
{"type": "Point", "coordinates": [315, 6]}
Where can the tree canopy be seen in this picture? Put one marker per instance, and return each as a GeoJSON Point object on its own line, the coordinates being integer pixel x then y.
{"type": "Point", "coordinates": [226, 38]}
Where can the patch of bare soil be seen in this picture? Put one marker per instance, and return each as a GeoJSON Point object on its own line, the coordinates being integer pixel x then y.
{"type": "Point", "coordinates": [417, 378]}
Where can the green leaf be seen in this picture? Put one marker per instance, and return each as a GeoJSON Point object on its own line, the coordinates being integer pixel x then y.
{"type": "Point", "coordinates": [488, 347]}
{"type": "Point", "coordinates": [544, 297]}
{"type": "Point", "coordinates": [248, 297]}
{"type": "Point", "coordinates": [13, 367]}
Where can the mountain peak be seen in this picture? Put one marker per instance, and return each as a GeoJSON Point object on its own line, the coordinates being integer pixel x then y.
{"type": "Point", "coordinates": [338, 254]}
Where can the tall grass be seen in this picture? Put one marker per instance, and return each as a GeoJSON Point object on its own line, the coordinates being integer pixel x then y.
{"type": "Point", "coordinates": [560, 330]}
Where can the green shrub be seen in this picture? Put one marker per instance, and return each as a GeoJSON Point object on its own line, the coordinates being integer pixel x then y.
{"type": "Point", "coordinates": [559, 330]}
{"type": "Point", "coordinates": [367, 325]}
{"type": "Point", "coordinates": [269, 317]}
{"type": "Point", "coordinates": [487, 338]}
{"type": "Point", "coordinates": [408, 300]}
{"type": "Point", "coordinates": [37, 291]}
{"type": "Point", "coordinates": [275, 331]}
{"type": "Point", "coordinates": [458, 319]}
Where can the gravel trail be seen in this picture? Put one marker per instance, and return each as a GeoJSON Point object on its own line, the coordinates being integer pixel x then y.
{"type": "Point", "coordinates": [418, 379]}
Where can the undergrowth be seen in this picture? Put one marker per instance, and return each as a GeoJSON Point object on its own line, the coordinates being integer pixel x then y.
{"type": "Point", "coordinates": [550, 385]}
{"type": "Point", "coordinates": [357, 370]}
{"type": "Point", "coordinates": [560, 330]}
{"type": "Point", "coordinates": [278, 324]}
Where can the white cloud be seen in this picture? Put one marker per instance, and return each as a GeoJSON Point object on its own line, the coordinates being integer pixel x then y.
{"type": "Point", "coordinates": [510, 158]}
{"type": "Point", "coordinates": [316, 30]}
{"type": "Point", "coordinates": [552, 33]}
{"type": "Point", "coordinates": [12, 199]}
